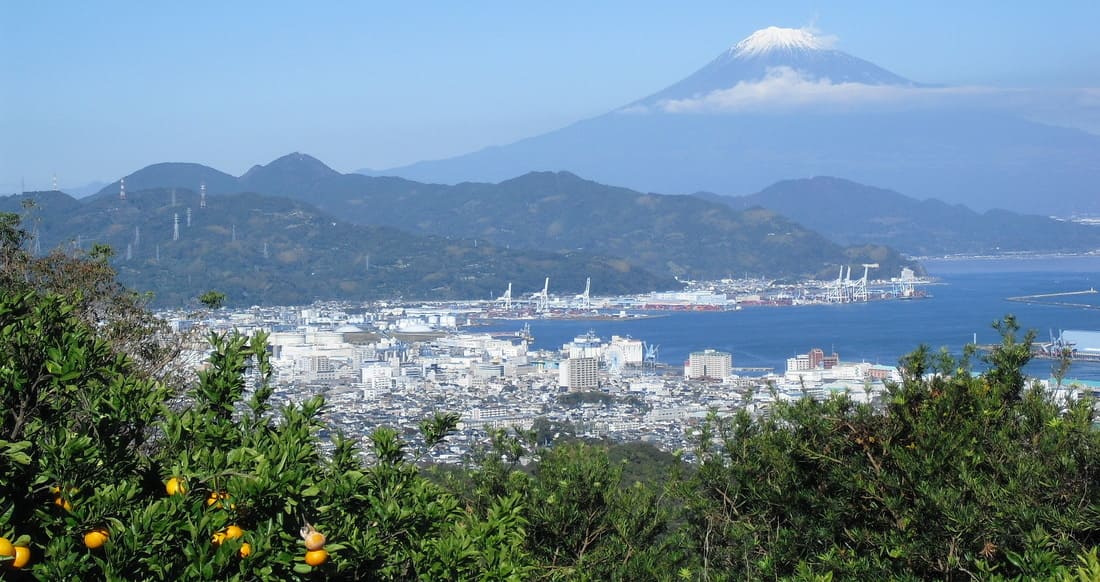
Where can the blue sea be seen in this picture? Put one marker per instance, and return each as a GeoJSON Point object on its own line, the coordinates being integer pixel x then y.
{"type": "Point", "coordinates": [970, 294]}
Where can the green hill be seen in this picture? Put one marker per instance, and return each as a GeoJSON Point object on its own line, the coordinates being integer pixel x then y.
{"type": "Point", "coordinates": [680, 236]}
{"type": "Point", "coordinates": [558, 211]}
{"type": "Point", "coordinates": [269, 250]}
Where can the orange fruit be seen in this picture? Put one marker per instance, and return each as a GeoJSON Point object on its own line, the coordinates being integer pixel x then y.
{"type": "Point", "coordinates": [218, 497]}
{"type": "Point", "coordinates": [176, 486]}
{"type": "Point", "coordinates": [96, 538]}
{"type": "Point", "coordinates": [22, 557]}
{"type": "Point", "coordinates": [246, 549]}
{"type": "Point", "coordinates": [63, 503]}
{"type": "Point", "coordinates": [6, 549]}
{"type": "Point", "coordinates": [315, 540]}
{"type": "Point", "coordinates": [316, 557]}
{"type": "Point", "coordinates": [230, 533]}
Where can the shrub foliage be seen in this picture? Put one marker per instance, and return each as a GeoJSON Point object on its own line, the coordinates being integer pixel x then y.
{"type": "Point", "coordinates": [959, 475]}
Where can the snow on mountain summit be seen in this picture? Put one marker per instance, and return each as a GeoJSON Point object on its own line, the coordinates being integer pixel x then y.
{"type": "Point", "coordinates": [774, 38]}
{"type": "Point", "coordinates": [795, 52]}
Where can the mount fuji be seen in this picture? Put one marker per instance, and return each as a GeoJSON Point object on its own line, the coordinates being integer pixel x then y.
{"type": "Point", "coordinates": [784, 104]}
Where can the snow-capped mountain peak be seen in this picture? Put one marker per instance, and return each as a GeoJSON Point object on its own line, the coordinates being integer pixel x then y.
{"type": "Point", "coordinates": [799, 51]}
{"type": "Point", "coordinates": [774, 38]}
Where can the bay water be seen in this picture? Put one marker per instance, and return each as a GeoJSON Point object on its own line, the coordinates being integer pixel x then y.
{"type": "Point", "coordinates": [969, 295]}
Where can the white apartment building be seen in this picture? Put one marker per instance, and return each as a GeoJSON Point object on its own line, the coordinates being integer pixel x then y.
{"type": "Point", "coordinates": [709, 364]}
{"type": "Point", "coordinates": [377, 379]}
{"type": "Point", "coordinates": [630, 348]}
{"type": "Point", "coordinates": [579, 373]}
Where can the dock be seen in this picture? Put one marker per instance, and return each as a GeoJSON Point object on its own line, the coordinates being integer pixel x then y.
{"type": "Point", "coordinates": [1041, 299]}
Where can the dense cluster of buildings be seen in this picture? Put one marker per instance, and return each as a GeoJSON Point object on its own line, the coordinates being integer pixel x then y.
{"type": "Point", "coordinates": [394, 366]}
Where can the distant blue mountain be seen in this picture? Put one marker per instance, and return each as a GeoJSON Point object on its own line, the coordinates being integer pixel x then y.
{"type": "Point", "coordinates": [853, 214]}
{"type": "Point", "coordinates": [85, 190]}
{"type": "Point", "coordinates": [285, 176]}
{"type": "Point", "coordinates": [716, 131]}
{"type": "Point", "coordinates": [558, 213]}
{"type": "Point", "coordinates": [187, 176]}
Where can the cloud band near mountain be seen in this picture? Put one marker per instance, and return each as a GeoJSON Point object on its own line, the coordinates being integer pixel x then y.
{"type": "Point", "coordinates": [785, 88]}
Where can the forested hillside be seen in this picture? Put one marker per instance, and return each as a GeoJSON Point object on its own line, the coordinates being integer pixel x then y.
{"type": "Point", "coordinates": [559, 212]}
{"type": "Point", "coordinates": [115, 466]}
{"type": "Point", "coordinates": [268, 250]}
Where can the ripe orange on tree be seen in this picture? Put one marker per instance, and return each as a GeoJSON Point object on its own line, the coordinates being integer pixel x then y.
{"type": "Point", "coordinates": [314, 539]}
{"type": "Point", "coordinates": [22, 557]}
{"type": "Point", "coordinates": [6, 548]}
{"type": "Point", "coordinates": [95, 538]}
{"type": "Point", "coordinates": [219, 498]}
{"type": "Point", "coordinates": [176, 486]}
{"type": "Point", "coordinates": [230, 533]}
{"type": "Point", "coordinates": [316, 557]}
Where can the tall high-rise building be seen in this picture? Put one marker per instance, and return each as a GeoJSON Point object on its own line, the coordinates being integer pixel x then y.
{"type": "Point", "coordinates": [710, 364]}
{"type": "Point", "coordinates": [579, 373]}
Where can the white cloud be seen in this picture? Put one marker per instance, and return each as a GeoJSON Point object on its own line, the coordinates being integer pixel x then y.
{"type": "Point", "coordinates": [784, 88]}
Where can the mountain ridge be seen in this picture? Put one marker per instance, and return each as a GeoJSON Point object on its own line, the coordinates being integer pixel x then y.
{"type": "Point", "coordinates": [736, 126]}
{"type": "Point", "coordinates": [856, 213]}
{"type": "Point", "coordinates": [562, 212]}
{"type": "Point", "coordinates": [263, 249]}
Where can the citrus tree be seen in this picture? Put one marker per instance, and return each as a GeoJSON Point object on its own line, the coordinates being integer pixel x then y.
{"type": "Point", "coordinates": [961, 475]}
{"type": "Point", "coordinates": [583, 521]}
{"type": "Point", "coordinates": [107, 474]}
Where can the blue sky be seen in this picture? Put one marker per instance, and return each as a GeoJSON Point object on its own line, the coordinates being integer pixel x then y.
{"type": "Point", "coordinates": [98, 90]}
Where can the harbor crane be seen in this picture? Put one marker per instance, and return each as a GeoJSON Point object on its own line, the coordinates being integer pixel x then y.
{"type": "Point", "coordinates": [859, 288]}
{"type": "Point", "coordinates": [649, 361]}
{"type": "Point", "coordinates": [845, 290]}
{"type": "Point", "coordinates": [506, 299]}
{"type": "Point", "coordinates": [542, 298]}
{"type": "Point", "coordinates": [835, 292]}
{"type": "Point", "coordinates": [585, 299]}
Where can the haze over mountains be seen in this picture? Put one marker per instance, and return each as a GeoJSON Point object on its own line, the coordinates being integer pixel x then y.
{"type": "Point", "coordinates": [851, 213]}
{"type": "Point", "coordinates": [782, 104]}
{"type": "Point", "coordinates": [295, 230]}
{"type": "Point", "coordinates": [272, 250]}
{"type": "Point", "coordinates": [558, 212]}
{"type": "Point", "coordinates": [313, 229]}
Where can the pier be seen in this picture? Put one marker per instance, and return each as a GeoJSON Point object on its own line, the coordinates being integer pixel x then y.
{"type": "Point", "coordinates": [1041, 299]}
